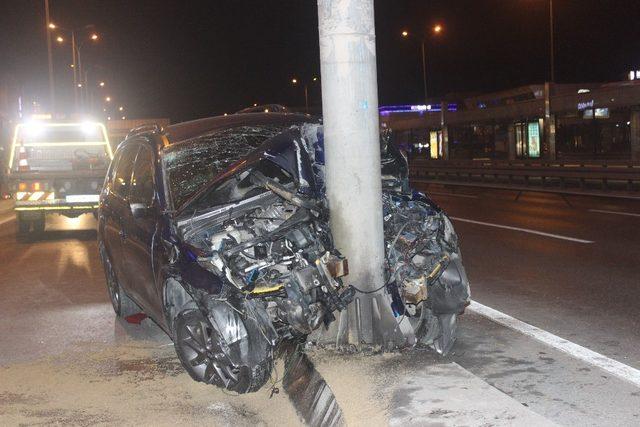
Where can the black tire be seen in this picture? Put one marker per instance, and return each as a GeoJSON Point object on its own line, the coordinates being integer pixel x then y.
{"type": "Point", "coordinates": [123, 306]}
{"type": "Point", "coordinates": [23, 227]}
{"type": "Point", "coordinates": [38, 225]}
{"type": "Point", "coordinates": [198, 347]}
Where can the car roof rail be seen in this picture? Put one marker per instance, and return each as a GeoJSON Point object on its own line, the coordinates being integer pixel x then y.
{"type": "Point", "coordinates": [149, 127]}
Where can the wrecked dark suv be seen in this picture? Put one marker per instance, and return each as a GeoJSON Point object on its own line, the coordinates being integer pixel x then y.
{"type": "Point", "coordinates": [218, 229]}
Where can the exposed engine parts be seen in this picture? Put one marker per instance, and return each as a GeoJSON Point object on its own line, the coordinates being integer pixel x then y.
{"type": "Point", "coordinates": [280, 254]}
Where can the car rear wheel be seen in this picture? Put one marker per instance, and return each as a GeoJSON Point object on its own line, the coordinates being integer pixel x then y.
{"type": "Point", "coordinates": [122, 304]}
{"type": "Point", "coordinates": [203, 353]}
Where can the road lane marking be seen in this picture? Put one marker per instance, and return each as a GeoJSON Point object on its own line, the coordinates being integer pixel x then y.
{"type": "Point", "coordinates": [468, 196]}
{"type": "Point", "coordinates": [6, 220]}
{"type": "Point", "coordinates": [525, 230]}
{"type": "Point", "coordinates": [620, 370]}
{"type": "Point", "coordinates": [614, 212]}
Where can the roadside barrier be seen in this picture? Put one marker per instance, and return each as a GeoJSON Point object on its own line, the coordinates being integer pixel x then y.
{"type": "Point", "coordinates": [615, 178]}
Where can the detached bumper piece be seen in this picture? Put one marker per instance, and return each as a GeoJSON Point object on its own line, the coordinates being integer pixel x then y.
{"type": "Point", "coordinates": [427, 282]}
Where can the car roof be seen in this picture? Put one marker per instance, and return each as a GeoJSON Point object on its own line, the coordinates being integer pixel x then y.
{"type": "Point", "coordinates": [187, 130]}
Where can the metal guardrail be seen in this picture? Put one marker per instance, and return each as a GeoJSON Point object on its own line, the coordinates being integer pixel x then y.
{"type": "Point", "coordinates": [558, 176]}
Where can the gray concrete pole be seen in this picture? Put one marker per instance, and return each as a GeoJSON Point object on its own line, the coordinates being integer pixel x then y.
{"type": "Point", "coordinates": [352, 155]}
{"type": "Point", "coordinates": [549, 124]}
{"type": "Point", "coordinates": [635, 135]}
{"type": "Point", "coordinates": [444, 110]}
{"type": "Point", "coordinates": [511, 144]}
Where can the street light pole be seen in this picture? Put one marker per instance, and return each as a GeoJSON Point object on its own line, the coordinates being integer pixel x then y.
{"type": "Point", "coordinates": [551, 44]}
{"type": "Point", "coordinates": [52, 93]}
{"type": "Point", "coordinates": [75, 68]}
{"type": "Point", "coordinates": [304, 82]}
{"type": "Point", "coordinates": [424, 70]}
{"type": "Point", "coordinates": [437, 30]}
{"type": "Point", "coordinates": [79, 76]}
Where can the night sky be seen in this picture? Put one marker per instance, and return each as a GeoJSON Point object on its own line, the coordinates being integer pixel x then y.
{"type": "Point", "coordinates": [190, 59]}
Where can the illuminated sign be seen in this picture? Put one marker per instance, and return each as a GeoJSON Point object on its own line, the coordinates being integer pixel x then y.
{"type": "Point", "coordinates": [433, 144]}
{"type": "Point", "coordinates": [534, 139]}
{"type": "Point", "coordinates": [420, 108]}
{"type": "Point", "coordinates": [584, 105]}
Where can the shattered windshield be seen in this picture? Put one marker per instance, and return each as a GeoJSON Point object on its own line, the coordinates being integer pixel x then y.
{"type": "Point", "coordinates": [192, 163]}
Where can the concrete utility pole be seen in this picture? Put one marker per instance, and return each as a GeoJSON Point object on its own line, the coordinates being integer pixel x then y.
{"type": "Point", "coordinates": [352, 155]}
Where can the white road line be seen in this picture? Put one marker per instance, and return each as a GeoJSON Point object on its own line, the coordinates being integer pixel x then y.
{"type": "Point", "coordinates": [614, 213]}
{"type": "Point", "coordinates": [6, 220]}
{"type": "Point", "coordinates": [620, 370]}
{"type": "Point", "coordinates": [525, 230]}
{"type": "Point", "coordinates": [468, 196]}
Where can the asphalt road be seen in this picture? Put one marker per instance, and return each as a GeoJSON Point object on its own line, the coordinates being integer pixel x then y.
{"type": "Point", "coordinates": [564, 266]}
{"type": "Point", "coordinates": [588, 293]}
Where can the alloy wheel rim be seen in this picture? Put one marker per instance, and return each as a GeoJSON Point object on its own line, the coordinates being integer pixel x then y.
{"type": "Point", "coordinates": [114, 289]}
{"type": "Point", "coordinates": [203, 353]}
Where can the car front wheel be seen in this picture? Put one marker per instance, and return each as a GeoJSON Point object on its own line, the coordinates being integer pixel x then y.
{"type": "Point", "coordinates": [204, 355]}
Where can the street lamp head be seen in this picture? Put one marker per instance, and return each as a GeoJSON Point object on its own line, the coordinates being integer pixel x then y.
{"type": "Point", "coordinates": [79, 84]}
{"type": "Point", "coordinates": [94, 37]}
{"type": "Point", "coordinates": [52, 26]}
{"type": "Point", "coordinates": [437, 29]}
{"type": "Point", "coordinates": [315, 79]}
{"type": "Point", "coordinates": [405, 33]}
{"type": "Point", "coordinates": [294, 81]}
{"type": "Point", "coordinates": [60, 39]}
{"type": "Point", "coordinates": [120, 108]}
{"type": "Point", "coordinates": [108, 99]}
{"type": "Point", "coordinates": [101, 84]}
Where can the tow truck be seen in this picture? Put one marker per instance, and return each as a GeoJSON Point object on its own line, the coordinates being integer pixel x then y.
{"type": "Point", "coordinates": [56, 168]}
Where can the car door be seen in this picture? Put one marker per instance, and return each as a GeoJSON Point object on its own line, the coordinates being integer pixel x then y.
{"type": "Point", "coordinates": [140, 230]}
{"type": "Point", "coordinates": [114, 207]}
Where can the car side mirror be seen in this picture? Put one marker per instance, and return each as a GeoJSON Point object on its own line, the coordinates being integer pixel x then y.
{"type": "Point", "coordinates": [140, 210]}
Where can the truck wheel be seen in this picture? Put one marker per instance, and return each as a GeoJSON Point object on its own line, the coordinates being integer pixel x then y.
{"type": "Point", "coordinates": [38, 224]}
{"type": "Point", "coordinates": [23, 227]}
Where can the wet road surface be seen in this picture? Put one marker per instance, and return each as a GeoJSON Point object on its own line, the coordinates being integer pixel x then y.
{"type": "Point", "coordinates": [588, 293]}
{"type": "Point", "coordinates": [65, 358]}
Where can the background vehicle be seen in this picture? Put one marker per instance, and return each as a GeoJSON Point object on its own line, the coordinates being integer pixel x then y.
{"type": "Point", "coordinates": [56, 168]}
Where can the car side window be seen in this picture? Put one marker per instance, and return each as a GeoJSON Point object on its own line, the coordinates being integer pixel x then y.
{"type": "Point", "coordinates": [142, 188]}
{"type": "Point", "coordinates": [108, 180]}
{"type": "Point", "coordinates": [122, 176]}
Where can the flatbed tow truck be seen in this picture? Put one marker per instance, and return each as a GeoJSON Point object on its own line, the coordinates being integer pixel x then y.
{"type": "Point", "coordinates": [56, 168]}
